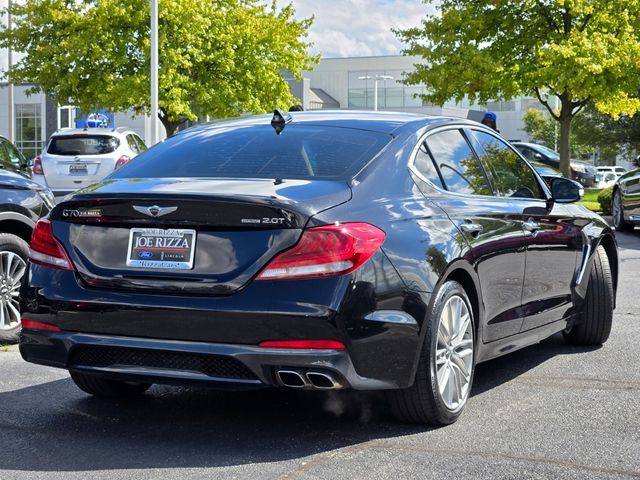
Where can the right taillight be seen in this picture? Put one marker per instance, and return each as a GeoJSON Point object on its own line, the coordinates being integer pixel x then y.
{"type": "Point", "coordinates": [324, 251]}
{"type": "Point", "coordinates": [45, 249]}
{"type": "Point", "coordinates": [37, 166]}
{"type": "Point", "coordinates": [123, 160]}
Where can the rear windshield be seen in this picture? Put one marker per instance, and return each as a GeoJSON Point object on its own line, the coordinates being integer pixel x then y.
{"type": "Point", "coordinates": [301, 152]}
{"type": "Point", "coordinates": [83, 145]}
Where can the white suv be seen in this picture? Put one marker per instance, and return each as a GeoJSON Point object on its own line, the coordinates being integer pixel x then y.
{"type": "Point", "coordinates": [76, 158]}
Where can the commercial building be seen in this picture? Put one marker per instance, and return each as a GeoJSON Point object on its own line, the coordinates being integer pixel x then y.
{"type": "Point", "coordinates": [336, 83]}
{"type": "Point", "coordinates": [36, 117]}
{"type": "Point", "coordinates": [351, 83]}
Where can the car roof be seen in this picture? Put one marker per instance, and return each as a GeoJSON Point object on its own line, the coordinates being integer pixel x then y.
{"type": "Point", "coordinates": [64, 132]}
{"type": "Point", "coordinates": [383, 122]}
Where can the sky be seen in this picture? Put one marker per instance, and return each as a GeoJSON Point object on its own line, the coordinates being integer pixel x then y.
{"type": "Point", "coordinates": [358, 28]}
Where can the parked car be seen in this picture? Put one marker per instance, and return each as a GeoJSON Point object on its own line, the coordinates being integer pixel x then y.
{"type": "Point", "coordinates": [76, 158]}
{"type": "Point", "coordinates": [625, 202]}
{"type": "Point", "coordinates": [549, 173]}
{"type": "Point", "coordinates": [22, 202]}
{"type": "Point", "coordinates": [317, 250]}
{"type": "Point", "coordinates": [611, 169]}
{"type": "Point", "coordinates": [583, 172]}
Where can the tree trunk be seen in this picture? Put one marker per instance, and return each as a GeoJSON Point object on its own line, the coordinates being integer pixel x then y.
{"type": "Point", "coordinates": [170, 127]}
{"type": "Point", "coordinates": [566, 116]}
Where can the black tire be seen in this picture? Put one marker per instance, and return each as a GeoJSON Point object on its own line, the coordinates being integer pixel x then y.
{"type": "Point", "coordinates": [594, 325]}
{"type": "Point", "coordinates": [422, 403]}
{"type": "Point", "coordinates": [618, 213]}
{"type": "Point", "coordinates": [104, 387]}
{"type": "Point", "coordinates": [14, 244]}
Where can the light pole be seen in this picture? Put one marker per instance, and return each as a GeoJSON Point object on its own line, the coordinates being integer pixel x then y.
{"type": "Point", "coordinates": [375, 86]}
{"type": "Point", "coordinates": [154, 72]}
{"type": "Point", "coordinates": [11, 112]}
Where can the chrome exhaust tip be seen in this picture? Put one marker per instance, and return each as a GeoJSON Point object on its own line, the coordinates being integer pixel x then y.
{"type": "Point", "coordinates": [292, 379]}
{"type": "Point", "coordinates": [324, 380]}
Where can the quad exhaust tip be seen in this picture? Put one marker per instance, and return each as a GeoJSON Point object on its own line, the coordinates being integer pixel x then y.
{"type": "Point", "coordinates": [310, 379]}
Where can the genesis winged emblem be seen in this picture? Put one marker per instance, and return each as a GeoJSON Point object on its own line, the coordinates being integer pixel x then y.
{"type": "Point", "coordinates": [155, 210]}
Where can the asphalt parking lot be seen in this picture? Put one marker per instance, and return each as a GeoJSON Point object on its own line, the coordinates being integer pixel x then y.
{"type": "Point", "coordinates": [549, 411]}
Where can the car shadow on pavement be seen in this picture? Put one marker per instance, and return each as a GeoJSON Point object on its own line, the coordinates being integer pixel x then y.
{"type": "Point", "coordinates": [55, 427]}
{"type": "Point", "coordinates": [629, 240]}
{"type": "Point", "coordinates": [502, 370]}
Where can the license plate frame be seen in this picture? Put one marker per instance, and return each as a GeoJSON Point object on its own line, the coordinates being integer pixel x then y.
{"type": "Point", "coordinates": [78, 169]}
{"type": "Point", "coordinates": [162, 248]}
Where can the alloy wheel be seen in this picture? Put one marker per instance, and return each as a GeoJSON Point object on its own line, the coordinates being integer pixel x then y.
{"type": "Point", "coordinates": [12, 268]}
{"type": "Point", "coordinates": [454, 353]}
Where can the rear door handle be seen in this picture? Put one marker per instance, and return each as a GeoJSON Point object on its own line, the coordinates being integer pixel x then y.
{"type": "Point", "coordinates": [471, 228]}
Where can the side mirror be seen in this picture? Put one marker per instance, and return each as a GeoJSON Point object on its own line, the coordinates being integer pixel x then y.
{"type": "Point", "coordinates": [564, 190]}
{"type": "Point", "coordinates": [538, 157]}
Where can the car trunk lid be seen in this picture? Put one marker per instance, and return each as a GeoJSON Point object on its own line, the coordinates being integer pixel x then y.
{"type": "Point", "coordinates": [198, 236]}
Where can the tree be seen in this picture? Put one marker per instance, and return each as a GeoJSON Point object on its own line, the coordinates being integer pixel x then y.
{"type": "Point", "coordinates": [578, 50]}
{"type": "Point", "coordinates": [543, 129]}
{"type": "Point", "coordinates": [540, 128]}
{"type": "Point", "coordinates": [217, 57]}
{"type": "Point", "coordinates": [610, 136]}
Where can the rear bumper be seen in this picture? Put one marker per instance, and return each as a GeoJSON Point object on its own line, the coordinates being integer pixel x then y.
{"type": "Point", "coordinates": [181, 362]}
{"type": "Point", "coordinates": [379, 324]}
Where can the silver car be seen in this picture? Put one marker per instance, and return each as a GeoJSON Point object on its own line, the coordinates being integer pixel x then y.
{"type": "Point", "coordinates": [76, 158]}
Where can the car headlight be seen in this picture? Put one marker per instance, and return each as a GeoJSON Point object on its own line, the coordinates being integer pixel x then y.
{"type": "Point", "coordinates": [578, 167]}
{"type": "Point", "coordinates": [48, 198]}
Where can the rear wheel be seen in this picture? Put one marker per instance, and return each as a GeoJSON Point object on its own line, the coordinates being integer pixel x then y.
{"type": "Point", "coordinates": [103, 387]}
{"type": "Point", "coordinates": [13, 257]}
{"type": "Point", "coordinates": [445, 370]}
{"type": "Point", "coordinates": [617, 211]}
{"type": "Point", "coordinates": [597, 316]}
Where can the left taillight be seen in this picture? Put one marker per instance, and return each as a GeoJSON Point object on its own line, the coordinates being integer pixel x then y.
{"type": "Point", "coordinates": [45, 248]}
{"type": "Point", "coordinates": [324, 251]}
{"type": "Point", "coordinates": [123, 160]}
{"type": "Point", "coordinates": [37, 166]}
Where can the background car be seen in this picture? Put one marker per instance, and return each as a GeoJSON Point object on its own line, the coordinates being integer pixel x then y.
{"type": "Point", "coordinates": [317, 250]}
{"type": "Point", "coordinates": [583, 172]}
{"type": "Point", "coordinates": [77, 158]}
{"type": "Point", "coordinates": [22, 202]}
{"type": "Point", "coordinates": [612, 168]}
{"type": "Point", "coordinates": [625, 202]}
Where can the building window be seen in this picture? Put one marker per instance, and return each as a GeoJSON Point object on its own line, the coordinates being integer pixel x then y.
{"type": "Point", "coordinates": [29, 129]}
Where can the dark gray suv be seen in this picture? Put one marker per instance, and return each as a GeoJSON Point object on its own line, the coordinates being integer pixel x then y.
{"type": "Point", "coordinates": [22, 202]}
{"type": "Point", "coordinates": [583, 172]}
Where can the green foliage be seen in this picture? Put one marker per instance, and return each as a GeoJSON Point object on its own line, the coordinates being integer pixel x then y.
{"type": "Point", "coordinates": [217, 57]}
{"type": "Point", "coordinates": [611, 136]}
{"type": "Point", "coordinates": [578, 50]}
{"type": "Point", "coordinates": [604, 199]}
{"type": "Point", "coordinates": [540, 128]}
{"type": "Point", "coordinates": [544, 130]}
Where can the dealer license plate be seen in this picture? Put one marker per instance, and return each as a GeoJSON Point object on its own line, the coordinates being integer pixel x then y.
{"type": "Point", "coordinates": [78, 169]}
{"type": "Point", "coordinates": [161, 248]}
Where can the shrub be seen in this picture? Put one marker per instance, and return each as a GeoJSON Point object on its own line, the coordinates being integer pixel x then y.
{"type": "Point", "coordinates": [604, 199]}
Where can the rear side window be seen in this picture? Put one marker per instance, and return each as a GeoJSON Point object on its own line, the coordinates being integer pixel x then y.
{"type": "Point", "coordinates": [301, 152]}
{"type": "Point", "coordinates": [141, 146]}
{"type": "Point", "coordinates": [83, 145]}
{"type": "Point", "coordinates": [457, 163]}
{"type": "Point", "coordinates": [132, 143]}
{"type": "Point", "coordinates": [424, 164]}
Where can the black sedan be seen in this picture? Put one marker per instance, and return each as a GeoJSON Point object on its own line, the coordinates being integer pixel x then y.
{"type": "Point", "coordinates": [318, 250]}
{"type": "Point", "coordinates": [625, 202]}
